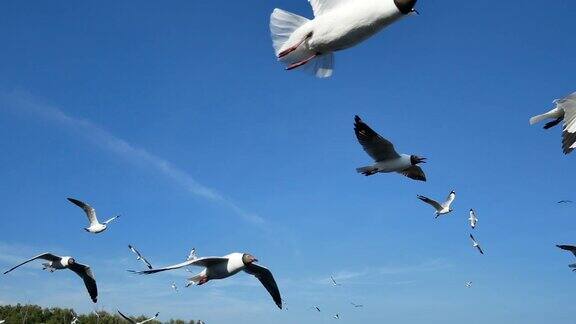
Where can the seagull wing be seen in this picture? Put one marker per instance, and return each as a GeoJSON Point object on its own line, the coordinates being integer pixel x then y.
{"type": "Point", "coordinates": [86, 274]}
{"type": "Point", "coordinates": [126, 318]}
{"type": "Point", "coordinates": [376, 146]}
{"type": "Point", "coordinates": [150, 319]}
{"type": "Point", "coordinates": [200, 262]}
{"type": "Point", "coordinates": [90, 212]}
{"type": "Point", "coordinates": [133, 249]}
{"type": "Point", "coordinates": [45, 256]}
{"type": "Point", "coordinates": [111, 219]}
{"type": "Point", "coordinates": [431, 202]}
{"type": "Point", "coordinates": [473, 239]}
{"type": "Point", "coordinates": [450, 199]}
{"type": "Point", "coordinates": [267, 280]}
{"type": "Point", "coordinates": [415, 172]}
{"type": "Point", "coordinates": [322, 6]}
{"type": "Point", "coordinates": [569, 248]}
{"type": "Point", "coordinates": [569, 132]}
{"type": "Point", "coordinates": [480, 249]}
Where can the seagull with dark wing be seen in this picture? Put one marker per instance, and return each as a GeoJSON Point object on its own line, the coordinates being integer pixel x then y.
{"type": "Point", "coordinates": [564, 111]}
{"type": "Point", "coordinates": [95, 226]}
{"type": "Point", "coordinates": [441, 208]}
{"type": "Point", "coordinates": [334, 283]}
{"type": "Point", "coordinates": [337, 316]}
{"type": "Point", "coordinates": [385, 155]}
{"type": "Point", "coordinates": [317, 309]}
{"type": "Point", "coordinates": [476, 244]}
{"type": "Point", "coordinates": [569, 248]}
{"type": "Point", "coordinates": [473, 219]}
{"type": "Point", "coordinates": [356, 305]}
{"type": "Point", "coordinates": [59, 263]}
{"type": "Point", "coordinates": [565, 202]}
{"type": "Point", "coordinates": [139, 256]}
{"type": "Point", "coordinates": [469, 284]}
{"type": "Point", "coordinates": [224, 267]}
{"type": "Point", "coordinates": [134, 322]}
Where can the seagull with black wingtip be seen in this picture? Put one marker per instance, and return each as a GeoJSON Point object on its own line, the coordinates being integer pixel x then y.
{"type": "Point", "coordinates": [139, 256]}
{"type": "Point", "coordinates": [473, 219]}
{"type": "Point", "coordinates": [564, 111]}
{"type": "Point", "coordinates": [441, 208]}
{"type": "Point", "coordinates": [385, 155]}
{"type": "Point", "coordinates": [572, 249]}
{"type": "Point", "coordinates": [95, 226]}
{"type": "Point", "coordinates": [476, 244]}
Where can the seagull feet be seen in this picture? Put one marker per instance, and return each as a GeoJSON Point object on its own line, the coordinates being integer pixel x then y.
{"type": "Point", "coordinates": [293, 48]}
{"type": "Point", "coordinates": [299, 64]}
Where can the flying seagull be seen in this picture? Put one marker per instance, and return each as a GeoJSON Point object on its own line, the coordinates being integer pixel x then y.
{"type": "Point", "coordinates": [317, 308]}
{"type": "Point", "coordinates": [134, 322]}
{"type": "Point", "coordinates": [475, 244]}
{"type": "Point", "coordinates": [565, 202]}
{"type": "Point", "coordinates": [386, 157]}
{"type": "Point", "coordinates": [139, 256]}
{"type": "Point", "coordinates": [174, 286]}
{"type": "Point", "coordinates": [441, 209]}
{"type": "Point", "coordinates": [95, 226]}
{"type": "Point", "coordinates": [192, 255]}
{"type": "Point", "coordinates": [473, 219]}
{"type": "Point", "coordinates": [224, 267]}
{"type": "Point", "coordinates": [59, 263]}
{"type": "Point", "coordinates": [357, 305]}
{"type": "Point", "coordinates": [334, 283]}
{"type": "Point", "coordinates": [337, 25]}
{"type": "Point", "coordinates": [565, 111]}
{"type": "Point", "coordinates": [469, 284]}
{"type": "Point", "coordinates": [337, 316]}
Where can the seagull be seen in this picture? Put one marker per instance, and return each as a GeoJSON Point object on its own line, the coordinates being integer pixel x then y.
{"type": "Point", "coordinates": [337, 316]}
{"type": "Point", "coordinates": [386, 157]}
{"type": "Point", "coordinates": [74, 320]}
{"type": "Point", "coordinates": [565, 202]}
{"type": "Point", "coordinates": [174, 286]}
{"type": "Point", "coordinates": [565, 110]}
{"type": "Point", "coordinates": [337, 25]}
{"type": "Point", "coordinates": [134, 322]}
{"type": "Point", "coordinates": [334, 283]}
{"type": "Point", "coordinates": [473, 219]}
{"type": "Point", "coordinates": [317, 309]}
{"type": "Point", "coordinates": [356, 305]}
{"type": "Point", "coordinates": [192, 255]}
{"type": "Point", "coordinates": [224, 267]}
{"type": "Point", "coordinates": [59, 263]}
{"type": "Point", "coordinates": [475, 244]}
{"type": "Point", "coordinates": [95, 226]}
{"type": "Point", "coordinates": [469, 284]}
{"type": "Point", "coordinates": [441, 209]}
{"type": "Point", "coordinates": [139, 256]}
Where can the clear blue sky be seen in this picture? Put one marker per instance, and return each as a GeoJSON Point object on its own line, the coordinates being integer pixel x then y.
{"type": "Point", "coordinates": [177, 115]}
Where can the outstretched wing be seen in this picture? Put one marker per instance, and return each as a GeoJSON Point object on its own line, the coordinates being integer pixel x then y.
{"type": "Point", "coordinates": [150, 319]}
{"type": "Point", "coordinates": [86, 274]}
{"type": "Point", "coordinates": [569, 131]}
{"type": "Point", "coordinates": [140, 257]}
{"type": "Point", "coordinates": [111, 219]}
{"type": "Point", "coordinates": [450, 198]}
{"type": "Point", "coordinates": [126, 318]}
{"type": "Point", "coordinates": [267, 280]}
{"type": "Point", "coordinates": [569, 248]}
{"type": "Point", "coordinates": [322, 6]}
{"type": "Point", "coordinates": [200, 262]}
{"type": "Point", "coordinates": [415, 173]}
{"type": "Point", "coordinates": [431, 202]}
{"type": "Point", "coordinates": [90, 212]}
{"type": "Point", "coordinates": [376, 146]}
{"type": "Point", "coordinates": [45, 256]}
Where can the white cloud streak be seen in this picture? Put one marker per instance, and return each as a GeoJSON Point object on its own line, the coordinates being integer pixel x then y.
{"type": "Point", "coordinates": [24, 102]}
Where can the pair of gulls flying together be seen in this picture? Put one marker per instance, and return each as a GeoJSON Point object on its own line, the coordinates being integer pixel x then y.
{"type": "Point", "coordinates": [564, 111]}
{"type": "Point", "coordinates": [385, 155]}
{"type": "Point", "coordinates": [59, 263]}
{"type": "Point", "coordinates": [134, 322]}
{"type": "Point", "coordinates": [572, 249]}
{"type": "Point", "coordinates": [95, 226]}
{"type": "Point", "coordinates": [337, 25]}
{"type": "Point", "coordinates": [224, 267]}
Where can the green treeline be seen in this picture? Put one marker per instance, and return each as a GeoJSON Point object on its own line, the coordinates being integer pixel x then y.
{"type": "Point", "coordinates": [32, 314]}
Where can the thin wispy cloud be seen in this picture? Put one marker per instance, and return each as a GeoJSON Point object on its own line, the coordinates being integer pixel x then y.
{"type": "Point", "coordinates": [24, 102]}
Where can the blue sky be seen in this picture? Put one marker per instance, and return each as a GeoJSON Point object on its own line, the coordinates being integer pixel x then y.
{"type": "Point", "coordinates": [178, 116]}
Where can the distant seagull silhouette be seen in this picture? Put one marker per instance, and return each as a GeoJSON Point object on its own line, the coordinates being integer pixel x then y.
{"type": "Point", "coordinates": [59, 263]}
{"type": "Point", "coordinates": [441, 209]}
{"type": "Point", "coordinates": [174, 286]}
{"type": "Point", "coordinates": [334, 283]}
{"type": "Point", "coordinates": [565, 202]}
{"type": "Point", "coordinates": [317, 308]}
{"type": "Point", "coordinates": [476, 244]}
{"type": "Point", "coordinates": [357, 305]}
{"type": "Point", "coordinates": [337, 316]}
{"type": "Point", "coordinates": [192, 255]}
{"type": "Point", "coordinates": [134, 322]}
{"type": "Point", "coordinates": [469, 284]}
{"type": "Point", "coordinates": [95, 226]}
{"type": "Point", "coordinates": [473, 219]}
{"type": "Point", "coordinates": [565, 110]}
{"type": "Point", "coordinates": [139, 256]}
{"type": "Point", "coordinates": [385, 155]}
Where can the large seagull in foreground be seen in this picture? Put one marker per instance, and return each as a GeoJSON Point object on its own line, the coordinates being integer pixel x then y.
{"type": "Point", "coordinates": [565, 111]}
{"type": "Point", "coordinates": [386, 157]}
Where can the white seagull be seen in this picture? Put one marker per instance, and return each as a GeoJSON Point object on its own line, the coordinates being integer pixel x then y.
{"type": "Point", "coordinates": [95, 226]}
{"type": "Point", "coordinates": [174, 286]}
{"type": "Point", "coordinates": [192, 255]}
{"type": "Point", "coordinates": [224, 267]}
{"type": "Point", "coordinates": [469, 284]}
{"type": "Point", "coordinates": [134, 322]}
{"type": "Point", "coordinates": [139, 256]}
{"type": "Point", "coordinates": [334, 283]}
{"type": "Point", "coordinates": [473, 219]}
{"type": "Point", "coordinates": [59, 263]}
{"type": "Point", "coordinates": [476, 244]}
{"type": "Point", "coordinates": [337, 25]}
{"type": "Point", "coordinates": [337, 316]}
{"type": "Point", "coordinates": [565, 110]}
{"type": "Point", "coordinates": [386, 157]}
{"type": "Point", "coordinates": [441, 209]}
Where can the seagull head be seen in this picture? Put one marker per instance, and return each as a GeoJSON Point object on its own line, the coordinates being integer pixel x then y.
{"type": "Point", "coordinates": [405, 6]}
{"type": "Point", "coordinates": [415, 159]}
{"type": "Point", "coordinates": [248, 259]}
{"type": "Point", "coordinates": [71, 261]}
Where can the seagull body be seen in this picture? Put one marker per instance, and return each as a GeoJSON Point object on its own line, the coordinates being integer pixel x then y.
{"type": "Point", "coordinates": [469, 284]}
{"type": "Point", "coordinates": [441, 208]}
{"type": "Point", "coordinates": [226, 266]}
{"type": "Point", "coordinates": [473, 219]}
{"type": "Point", "coordinates": [337, 25]}
{"type": "Point", "coordinates": [337, 316]}
{"type": "Point", "coordinates": [139, 256]}
{"type": "Point", "coordinates": [385, 155]}
{"type": "Point", "coordinates": [174, 286]}
{"type": "Point", "coordinates": [95, 226]}
{"type": "Point", "coordinates": [564, 111]}
{"type": "Point", "coordinates": [476, 244]}
{"type": "Point", "coordinates": [59, 263]}
{"type": "Point", "coordinates": [134, 322]}
{"type": "Point", "coordinates": [192, 255]}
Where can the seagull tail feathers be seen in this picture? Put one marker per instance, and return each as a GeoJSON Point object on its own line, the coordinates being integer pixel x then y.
{"type": "Point", "coordinates": [193, 281]}
{"type": "Point", "coordinates": [367, 170]}
{"type": "Point", "coordinates": [282, 25]}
